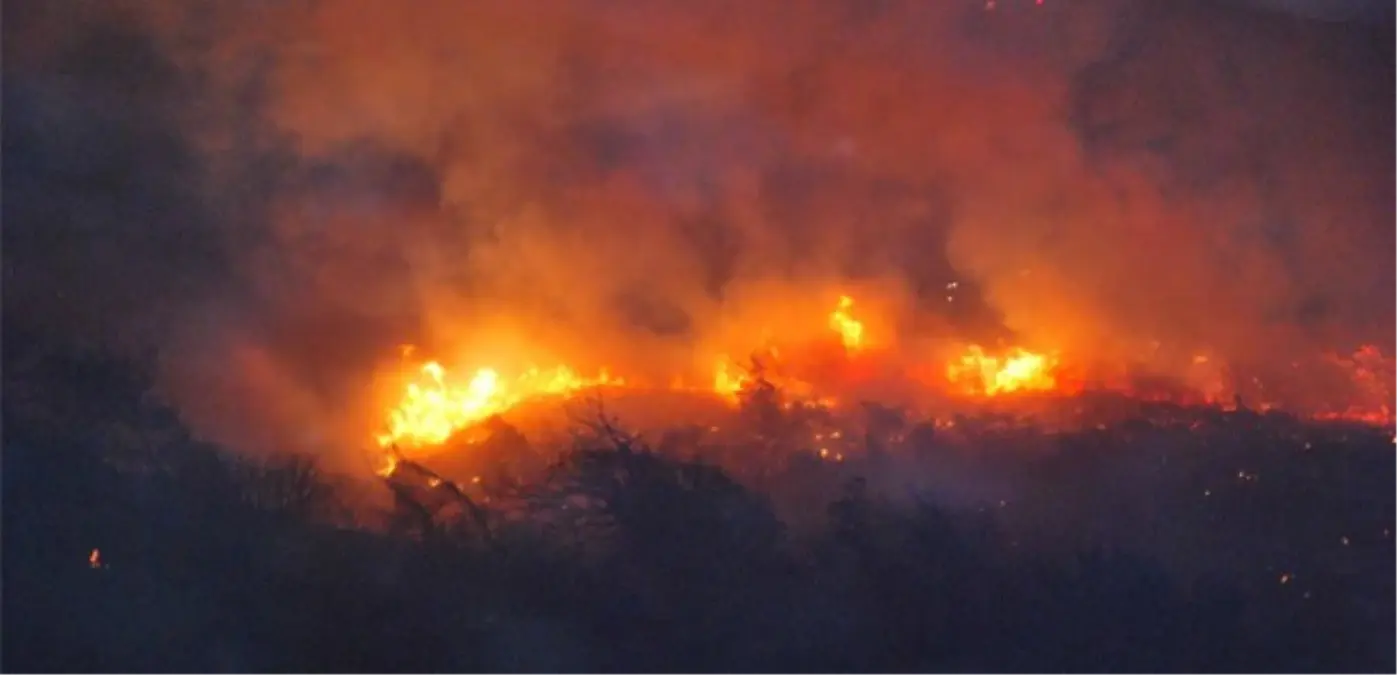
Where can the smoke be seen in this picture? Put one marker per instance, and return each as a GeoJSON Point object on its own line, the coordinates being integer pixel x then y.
{"type": "Point", "coordinates": [277, 196]}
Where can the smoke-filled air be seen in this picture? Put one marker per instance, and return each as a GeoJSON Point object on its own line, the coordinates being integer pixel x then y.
{"type": "Point", "coordinates": [648, 194]}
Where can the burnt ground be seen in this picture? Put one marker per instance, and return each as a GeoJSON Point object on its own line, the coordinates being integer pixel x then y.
{"type": "Point", "coordinates": [1171, 539]}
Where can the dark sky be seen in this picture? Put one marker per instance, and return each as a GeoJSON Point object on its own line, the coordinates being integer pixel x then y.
{"type": "Point", "coordinates": [273, 196]}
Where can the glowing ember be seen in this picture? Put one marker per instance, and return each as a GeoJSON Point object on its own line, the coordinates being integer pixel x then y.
{"type": "Point", "coordinates": [433, 408]}
{"type": "Point", "coordinates": [850, 330]}
{"type": "Point", "coordinates": [94, 559]}
{"type": "Point", "coordinates": [977, 372]}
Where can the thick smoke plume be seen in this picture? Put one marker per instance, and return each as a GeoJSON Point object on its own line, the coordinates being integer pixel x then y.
{"type": "Point", "coordinates": [276, 196]}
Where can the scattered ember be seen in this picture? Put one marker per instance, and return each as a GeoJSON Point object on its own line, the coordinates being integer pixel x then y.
{"type": "Point", "coordinates": [94, 559]}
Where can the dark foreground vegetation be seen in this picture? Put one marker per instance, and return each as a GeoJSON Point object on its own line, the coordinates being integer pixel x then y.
{"type": "Point", "coordinates": [1239, 543]}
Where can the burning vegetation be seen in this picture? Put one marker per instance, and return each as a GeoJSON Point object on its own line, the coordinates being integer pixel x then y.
{"type": "Point", "coordinates": [437, 405]}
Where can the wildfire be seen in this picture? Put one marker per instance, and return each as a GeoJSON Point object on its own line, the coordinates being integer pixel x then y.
{"type": "Point", "coordinates": [433, 407]}
{"type": "Point", "coordinates": [850, 330]}
{"type": "Point", "coordinates": [976, 372]}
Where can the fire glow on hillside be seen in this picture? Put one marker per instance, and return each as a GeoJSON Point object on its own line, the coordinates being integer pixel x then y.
{"type": "Point", "coordinates": [434, 405]}
{"type": "Point", "coordinates": [437, 403]}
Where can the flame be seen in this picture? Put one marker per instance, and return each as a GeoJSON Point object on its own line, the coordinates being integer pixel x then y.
{"type": "Point", "coordinates": [1371, 374]}
{"type": "Point", "coordinates": [433, 408]}
{"type": "Point", "coordinates": [730, 382]}
{"type": "Point", "coordinates": [976, 372]}
{"type": "Point", "coordinates": [850, 330]}
{"type": "Point", "coordinates": [434, 405]}
{"type": "Point", "coordinates": [390, 465]}
{"type": "Point", "coordinates": [727, 384]}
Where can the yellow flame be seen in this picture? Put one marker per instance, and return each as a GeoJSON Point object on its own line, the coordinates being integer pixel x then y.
{"type": "Point", "coordinates": [976, 372]}
{"type": "Point", "coordinates": [390, 465]}
{"type": "Point", "coordinates": [850, 330]}
{"type": "Point", "coordinates": [728, 384]}
{"type": "Point", "coordinates": [433, 408]}
{"type": "Point", "coordinates": [436, 404]}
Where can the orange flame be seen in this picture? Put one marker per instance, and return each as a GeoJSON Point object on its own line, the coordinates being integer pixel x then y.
{"type": "Point", "coordinates": [976, 372]}
{"type": "Point", "coordinates": [390, 465]}
{"type": "Point", "coordinates": [728, 384]}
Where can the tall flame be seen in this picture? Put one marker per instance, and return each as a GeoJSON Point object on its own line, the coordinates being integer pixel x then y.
{"type": "Point", "coordinates": [850, 330]}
